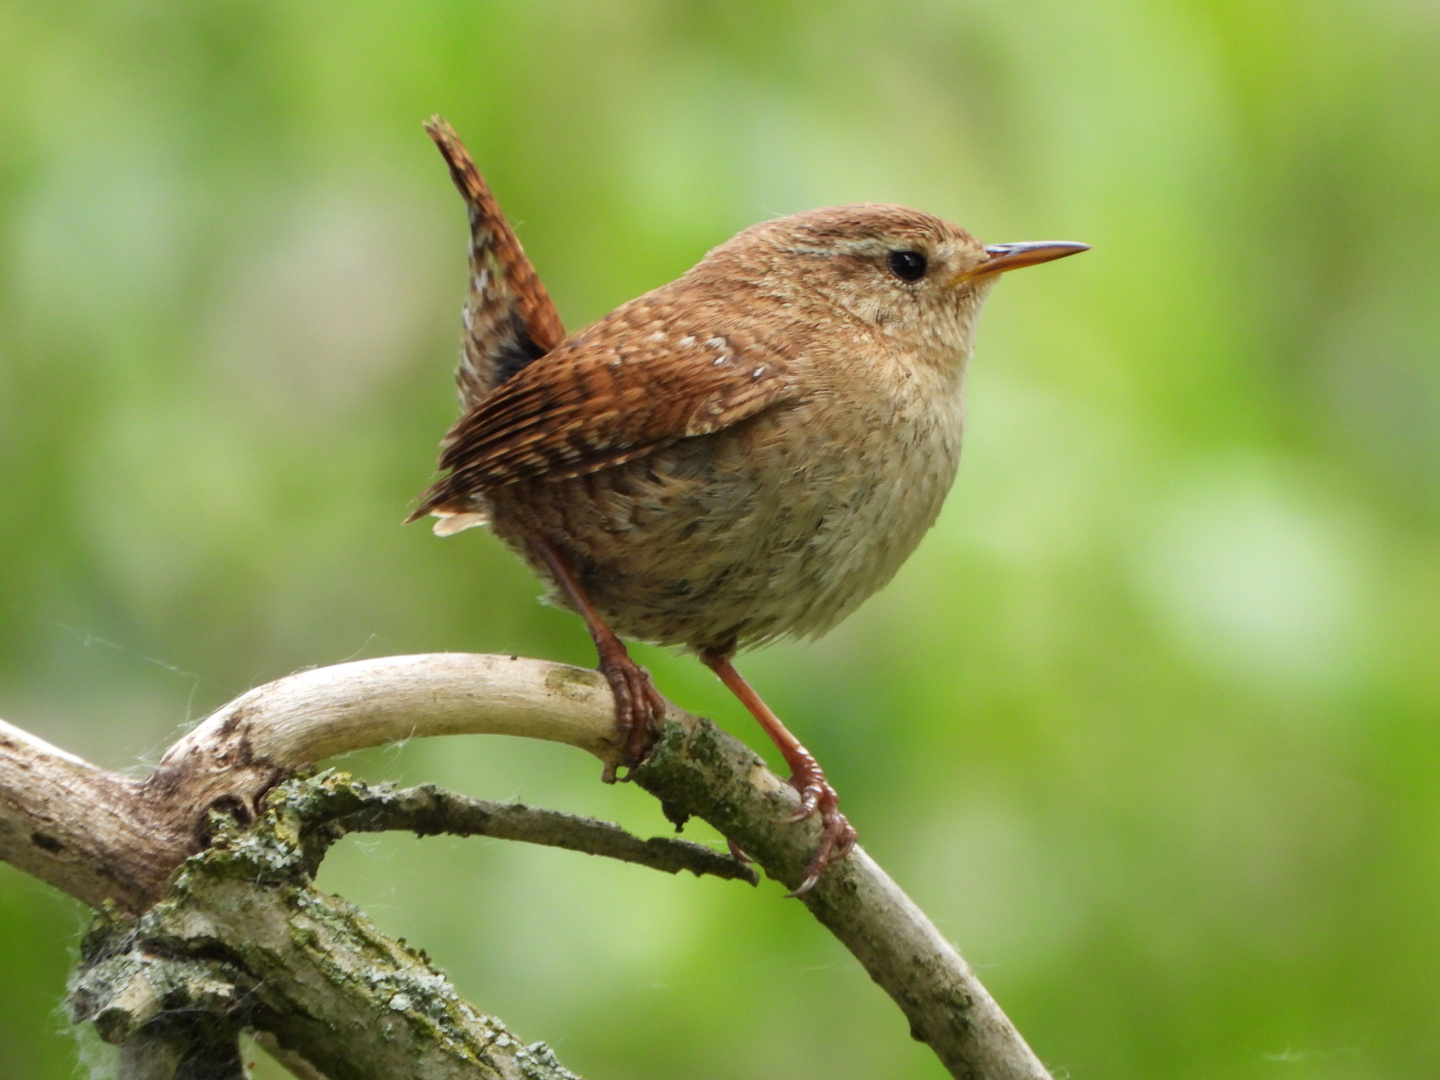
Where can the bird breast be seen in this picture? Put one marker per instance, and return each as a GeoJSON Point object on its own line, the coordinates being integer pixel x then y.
{"type": "Point", "coordinates": [778, 526]}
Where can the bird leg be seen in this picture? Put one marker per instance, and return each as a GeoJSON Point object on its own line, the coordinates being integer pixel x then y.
{"type": "Point", "coordinates": [837, 835]}
{"type": "Point", "coordinates": [639, 708]}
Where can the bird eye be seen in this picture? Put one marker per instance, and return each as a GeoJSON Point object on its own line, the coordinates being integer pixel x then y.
{"type": "Point", "coordinates": [907, 265]}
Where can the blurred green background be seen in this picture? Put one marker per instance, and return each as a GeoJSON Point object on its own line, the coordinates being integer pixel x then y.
{"type": "Point", "coordinates": [1151, 722]}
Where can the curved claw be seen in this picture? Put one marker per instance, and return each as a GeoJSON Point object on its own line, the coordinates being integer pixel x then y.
{"type": "Point", "coordinates": [804, 887]}
{"type": "Point", "coordinates": [737, 854]}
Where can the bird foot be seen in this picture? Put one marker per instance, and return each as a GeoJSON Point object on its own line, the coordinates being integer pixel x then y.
{"type": "Point", "coordinates": [639, 710]}
{"type": "Point", "coordinates": [837, 835]}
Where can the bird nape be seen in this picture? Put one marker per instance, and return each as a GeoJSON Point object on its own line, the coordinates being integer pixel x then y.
{"type": "Point", "coordinates": [741, 455]}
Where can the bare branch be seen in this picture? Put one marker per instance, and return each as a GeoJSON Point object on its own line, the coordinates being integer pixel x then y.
{"type": "Point", "coordinates": [71, 823]}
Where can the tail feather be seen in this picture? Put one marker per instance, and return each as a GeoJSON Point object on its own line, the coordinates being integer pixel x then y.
{"type": "Point", "coordinates": [510, 320]}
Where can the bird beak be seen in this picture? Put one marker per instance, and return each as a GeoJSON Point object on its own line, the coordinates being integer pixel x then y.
{"type": "Point", "coordinates": [1005, 257]}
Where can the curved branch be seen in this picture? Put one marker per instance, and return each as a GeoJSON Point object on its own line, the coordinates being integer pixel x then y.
{"type": "Point", "coordinates": [102, 836]}
{"type": "Point", "coordinates": [326, 711]}
{"type": "Point", "coordinates": [231, 759]}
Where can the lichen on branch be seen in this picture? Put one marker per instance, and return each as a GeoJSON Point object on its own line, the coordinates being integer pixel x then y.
{"type": "Point", "coordinates": [243, 939]}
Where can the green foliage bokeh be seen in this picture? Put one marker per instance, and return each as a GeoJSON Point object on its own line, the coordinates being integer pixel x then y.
{"type": "Point", "coordinates": [1150, 724]}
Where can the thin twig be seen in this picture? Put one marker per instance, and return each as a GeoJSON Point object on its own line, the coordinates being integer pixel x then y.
{"type": "Point", "coordinates": [427, 810]}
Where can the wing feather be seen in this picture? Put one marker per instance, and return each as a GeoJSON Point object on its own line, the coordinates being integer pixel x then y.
{"type": "Point", "coordinates": [651, 373]}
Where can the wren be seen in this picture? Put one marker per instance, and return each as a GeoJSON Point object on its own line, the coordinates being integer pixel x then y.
{"type": "Point", "coordinates": [742, 455]}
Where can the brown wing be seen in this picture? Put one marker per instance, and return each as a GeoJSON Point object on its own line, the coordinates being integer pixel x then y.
{"type": "Point", "coordinates": [630, 384]}
{"type": "Point", "coordinates": [510, 320]}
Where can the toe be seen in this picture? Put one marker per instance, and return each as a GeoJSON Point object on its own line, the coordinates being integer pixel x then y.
{"type": "Point", "coordinates": [814, 793]}
{"type": "Point", "coordinates": [837, 839]}
{"type": "Point", "coordinates": [647, 709]}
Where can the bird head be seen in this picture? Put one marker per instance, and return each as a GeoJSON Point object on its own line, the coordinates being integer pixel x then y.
{"type": "Point", "coordinates": [907, 274]}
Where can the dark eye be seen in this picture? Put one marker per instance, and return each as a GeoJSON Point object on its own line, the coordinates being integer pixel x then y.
{"type": "Point", "coordinates": [907, 265]}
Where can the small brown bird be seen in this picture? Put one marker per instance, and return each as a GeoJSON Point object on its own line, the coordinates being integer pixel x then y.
{"type": "Point", "coordinates": [741, 455]}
